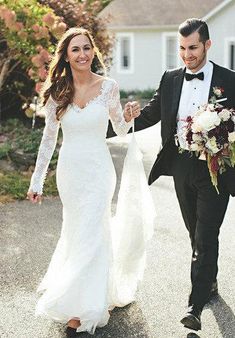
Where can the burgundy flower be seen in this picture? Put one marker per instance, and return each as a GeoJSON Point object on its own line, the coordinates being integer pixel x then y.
{"type": "Point", "coordinates": [214, 164]}
{"type": "Point", "coordinates": [222, 136]}
{"type": "Point", "coordinates": [189, 119]}
{"type": "Point", "coordinates": [218, 109]}
{"type": "Point", "coordinates": [229, 125]}
{"type": "Point", "coordinates": [189, 136]}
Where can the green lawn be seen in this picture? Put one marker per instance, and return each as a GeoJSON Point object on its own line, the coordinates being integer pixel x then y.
{"type": "Point", "coordinates": [14, 186]}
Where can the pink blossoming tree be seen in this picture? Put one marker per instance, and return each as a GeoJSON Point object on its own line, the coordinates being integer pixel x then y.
{"type": "Point", "coordinates": [29, 30]}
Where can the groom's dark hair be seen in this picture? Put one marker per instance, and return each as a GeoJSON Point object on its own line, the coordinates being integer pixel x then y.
{"type": "Point", "coordinates": [195, 25]}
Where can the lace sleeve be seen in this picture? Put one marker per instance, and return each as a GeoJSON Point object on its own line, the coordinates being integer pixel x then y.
{"type": "Point", "coordinates": [46, 148]}
{"type": "Point", "coordinates": [120, 126]}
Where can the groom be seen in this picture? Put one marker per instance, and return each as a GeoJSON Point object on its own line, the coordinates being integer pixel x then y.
{"type": "Point", "coordinates": [180, 93]}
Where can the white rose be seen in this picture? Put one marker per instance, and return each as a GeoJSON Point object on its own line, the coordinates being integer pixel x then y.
{"type": "Point", "coordinates": [201, 109]}
{"type": "Point", "coordinates": [231, 137]}
{"type": "Point", "coordinates": [233, 119]}
{"type": "Point", "coordinates": [196, 128]}
{"type": "Point", "coordinates": [210, 107]}
{"type": "Point", "coordinates": [196, 138]}
{"type": "Point", "coordinates": [195, 147]}
{"type": "Point", "coordinates": [208, 120]}
{"type": "Point", "coordinates": [212, 145]}
{"type": "Point", "coordinates": [224, 114]}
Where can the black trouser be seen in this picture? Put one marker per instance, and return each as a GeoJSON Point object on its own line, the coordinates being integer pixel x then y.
{"type": "Point", "coordinates": [203, 211]}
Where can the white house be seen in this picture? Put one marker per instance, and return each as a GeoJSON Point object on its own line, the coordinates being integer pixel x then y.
{"type": "Point", "coordinates": [146, 36]}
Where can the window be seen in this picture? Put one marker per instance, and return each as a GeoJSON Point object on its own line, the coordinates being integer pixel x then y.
{"type": "Point", "coordinates": [170, 51]}
{"type": "Point", "coordinates": [230, 53]}
{"type": "Point", "coordinates": [171, 61]}
{"type": "Point", "coordinates": [125, 52]}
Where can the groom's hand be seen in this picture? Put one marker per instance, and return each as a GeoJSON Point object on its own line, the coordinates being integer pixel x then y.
{"type": "Point", "coordinates": [131, 110]}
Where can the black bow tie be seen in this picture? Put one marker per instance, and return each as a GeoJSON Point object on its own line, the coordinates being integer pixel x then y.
{"type": "Point", "coordinates": [189, 77]}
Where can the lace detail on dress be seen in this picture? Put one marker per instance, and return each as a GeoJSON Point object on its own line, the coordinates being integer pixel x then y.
{"type": "Point", "coordinates": [46, 148]}
{"type": "Point", "coordinates": [120, 126]}
{"type": "Point", "coordinates": [109, 97]}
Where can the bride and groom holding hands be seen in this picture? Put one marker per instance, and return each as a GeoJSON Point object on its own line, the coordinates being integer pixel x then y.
{"type": "Point", "coordinates": [77, 283]}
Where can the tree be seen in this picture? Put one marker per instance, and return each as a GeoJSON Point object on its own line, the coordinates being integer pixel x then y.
{"type": "Point", "coordinates": [85, 14]}
{"type": "Point", "coordinates": [29, 30]}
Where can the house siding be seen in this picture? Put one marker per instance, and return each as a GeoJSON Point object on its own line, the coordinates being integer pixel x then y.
{"type": "Point", "coordinates": [149, 51]}
{"type": "Point", "coordinates": [147, 63]}
{"type": "Point", "coordinates": [221, 26]}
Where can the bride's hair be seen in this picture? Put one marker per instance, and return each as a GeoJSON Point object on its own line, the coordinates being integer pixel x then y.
{"type": "Point", "coordinates": [59, 82]}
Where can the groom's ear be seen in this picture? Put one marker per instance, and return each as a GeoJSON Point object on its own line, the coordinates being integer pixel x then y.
{"type": "Point", "coordinates": [208, 44]}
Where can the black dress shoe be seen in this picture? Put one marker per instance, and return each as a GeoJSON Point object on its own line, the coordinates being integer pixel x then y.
{"type": "Point", "coordinates": [192, 319]}
{"type": "Point", "coordinates": [70, 332]}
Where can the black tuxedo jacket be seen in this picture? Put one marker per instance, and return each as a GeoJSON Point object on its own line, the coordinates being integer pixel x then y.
{"type": "Point", "coordinates": [164, 107]}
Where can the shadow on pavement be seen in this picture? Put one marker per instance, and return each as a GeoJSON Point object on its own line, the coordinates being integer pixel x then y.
{"type": "Point", "coordinates": [127, 322]}
{"type": "Point", "coordinates": [224, 316]}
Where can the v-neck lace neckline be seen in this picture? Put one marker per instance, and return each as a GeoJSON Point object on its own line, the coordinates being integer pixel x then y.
{"type": "Point", "coordinates": [100, 93]}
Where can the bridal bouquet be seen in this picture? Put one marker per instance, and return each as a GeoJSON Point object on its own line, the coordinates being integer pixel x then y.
{"type": "Point", "coordinates": [210, 134]}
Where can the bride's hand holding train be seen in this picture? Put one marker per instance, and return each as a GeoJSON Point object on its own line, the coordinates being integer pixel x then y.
{"type": "Point", "coordinates": [131, 110]}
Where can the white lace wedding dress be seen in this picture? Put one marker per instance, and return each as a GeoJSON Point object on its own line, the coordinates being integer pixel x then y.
{"type": "Point", "coordinates": [79, 281]}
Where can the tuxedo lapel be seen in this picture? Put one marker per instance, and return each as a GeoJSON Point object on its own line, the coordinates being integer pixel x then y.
{"type": "Point", "coordinates": [216, 80]}
{"type": "Point", "coordinates": [177, 87]}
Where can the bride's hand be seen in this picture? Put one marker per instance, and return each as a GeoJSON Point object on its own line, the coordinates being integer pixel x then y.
{"type": "Point", "coordinates": [34, 197]}
{"type": "Point", "coordinates": [131, 110]}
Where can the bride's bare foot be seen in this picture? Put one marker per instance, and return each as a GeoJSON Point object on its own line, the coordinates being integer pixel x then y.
{"type": "Point", "coordinates": [74, 323]}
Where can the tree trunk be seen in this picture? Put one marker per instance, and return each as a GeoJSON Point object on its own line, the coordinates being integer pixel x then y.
{"type": "Point", "coordinates": [3, 76]}
{"type": "Point", "coordinates": [4, 73]}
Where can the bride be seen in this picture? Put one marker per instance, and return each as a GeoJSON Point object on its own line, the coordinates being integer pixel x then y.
{"type": "Point", "coordinates": [78, 283]}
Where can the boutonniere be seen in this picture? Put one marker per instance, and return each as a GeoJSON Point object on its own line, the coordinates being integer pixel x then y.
{"type": "Point", "coordinates": [218, 95]}
{"type": "Point", "coordinates": [218, 91]}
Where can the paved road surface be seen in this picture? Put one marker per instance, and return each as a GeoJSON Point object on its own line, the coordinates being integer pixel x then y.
{"type": "Point", "coordinates": [28, 235]}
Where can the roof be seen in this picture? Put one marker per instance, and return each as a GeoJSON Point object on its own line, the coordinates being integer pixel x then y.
{"type": "Point", "coordinates": [158, 13]}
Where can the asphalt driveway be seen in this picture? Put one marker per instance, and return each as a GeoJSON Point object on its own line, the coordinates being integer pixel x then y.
{"type": "Point", "coordinates": [28, 235]}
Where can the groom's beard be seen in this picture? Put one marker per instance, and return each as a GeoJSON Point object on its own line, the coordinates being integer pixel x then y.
{"type": "Point", "coordinates": [199, 62]}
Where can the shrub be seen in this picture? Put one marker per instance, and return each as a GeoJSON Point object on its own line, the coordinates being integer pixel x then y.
{"type": "Point", "coordinates": [22, 140]}
{"type": "Point", "coordinates": [85, 14]}
{"type": "Point", "coordinates": [15, 186]}
{"type": "Point", "coordinates": [29, 30]}
{"type": "Point", "coordinates": [4, 150]}
{"type": "Point", "coordinates": [25, 44]}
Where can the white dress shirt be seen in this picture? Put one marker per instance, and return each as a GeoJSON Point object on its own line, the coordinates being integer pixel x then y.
{"type": "Point", "coordinates": [194, 94]}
